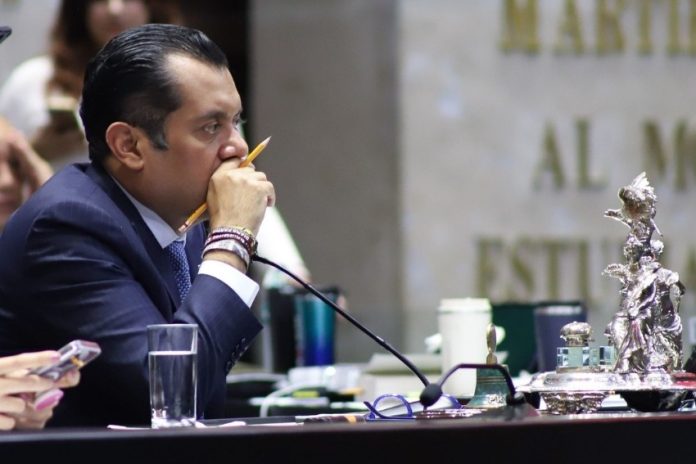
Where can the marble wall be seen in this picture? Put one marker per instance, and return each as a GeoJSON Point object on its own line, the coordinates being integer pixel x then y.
{"type": "Point", "coordinates": [474, 152]}
{"type": "Point", "coordinates": [515, 142]}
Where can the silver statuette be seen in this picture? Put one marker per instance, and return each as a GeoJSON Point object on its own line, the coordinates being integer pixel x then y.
{"type": "Point", "coordinates": [646, 330]}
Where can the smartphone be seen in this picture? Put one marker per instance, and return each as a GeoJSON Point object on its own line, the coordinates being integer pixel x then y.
{"type": "Point", "coordinates": [5, 32]}
{"type": "Point", "coordinates": [74, 355]}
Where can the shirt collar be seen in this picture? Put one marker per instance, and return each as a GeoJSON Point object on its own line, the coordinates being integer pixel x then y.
{"type": "Point", "coordinates": [163, 233]}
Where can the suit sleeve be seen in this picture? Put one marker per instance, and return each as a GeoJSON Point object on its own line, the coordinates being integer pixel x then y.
{"type": "Point", "coordinates": [90, 284]}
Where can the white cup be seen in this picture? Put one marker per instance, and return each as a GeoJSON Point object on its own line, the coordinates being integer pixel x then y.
{"type": "Point", "coordinates": [463, 323]}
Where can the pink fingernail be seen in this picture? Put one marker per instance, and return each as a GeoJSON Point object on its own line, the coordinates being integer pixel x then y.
{"type": "Point", "coordinates": [47, 399]}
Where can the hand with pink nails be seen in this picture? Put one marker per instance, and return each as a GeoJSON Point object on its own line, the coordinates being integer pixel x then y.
{"type": "Point", "coordinates": [27, 401]}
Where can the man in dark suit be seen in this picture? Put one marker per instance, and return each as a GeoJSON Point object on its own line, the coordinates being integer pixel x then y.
{"type": "Point", "coordinates": [95, 254]}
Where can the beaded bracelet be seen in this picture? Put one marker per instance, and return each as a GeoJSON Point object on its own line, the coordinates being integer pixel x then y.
{"type": "Point", "coordinates": [241, 229]}
{"type": "Point", "coordinates": [220, 235]}
{"type": "Point", "coordinates": [241, 234]}
{"type": "Point", "coordinates": [245, 240]}
{"type": "Point", "coordinates": [232, 246]}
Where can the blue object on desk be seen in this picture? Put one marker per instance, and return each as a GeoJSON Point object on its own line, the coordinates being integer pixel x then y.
{"type": "Point", "coordinates": [314, 329]}
{"type": "Point", "coordinates": [401, 408]}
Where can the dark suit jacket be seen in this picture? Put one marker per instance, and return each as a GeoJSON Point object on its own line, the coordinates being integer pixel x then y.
{"type": "Point", "coordinates": [78, 262]}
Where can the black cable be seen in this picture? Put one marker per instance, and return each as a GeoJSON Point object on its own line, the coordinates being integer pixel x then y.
{"type": "Point", "coordinates": [380, 341]}
{"type": "Point", "coordinates": [432, 392]}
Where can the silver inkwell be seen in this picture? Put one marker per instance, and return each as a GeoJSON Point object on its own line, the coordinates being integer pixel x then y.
{"type": "Point", "coordinates": [642, 361]}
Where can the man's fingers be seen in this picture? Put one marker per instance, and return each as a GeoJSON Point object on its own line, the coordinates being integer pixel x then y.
{"type": "Point", "coordinates": [27, 361]}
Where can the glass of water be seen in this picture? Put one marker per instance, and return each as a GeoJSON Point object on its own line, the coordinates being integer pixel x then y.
{"type": "Point", "coordinates": [172, 351]}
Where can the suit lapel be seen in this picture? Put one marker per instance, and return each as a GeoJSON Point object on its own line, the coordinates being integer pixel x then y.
{"type": "Point", "coordinates": [158, 256]}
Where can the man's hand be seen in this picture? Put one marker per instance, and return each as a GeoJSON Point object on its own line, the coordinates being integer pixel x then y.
{"type": "Point", "coordinates": [238, 197]}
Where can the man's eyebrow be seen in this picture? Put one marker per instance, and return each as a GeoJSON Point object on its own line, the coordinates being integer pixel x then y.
{"type": "Point", "coordinates": [217, 115]}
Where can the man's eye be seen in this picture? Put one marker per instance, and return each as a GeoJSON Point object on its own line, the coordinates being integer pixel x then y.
{"type": "Point", "coordinates": [239, 123]}
{"type": "Point", "coordinates": [212, 128]}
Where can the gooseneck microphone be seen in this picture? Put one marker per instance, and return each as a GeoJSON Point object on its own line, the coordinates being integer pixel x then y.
{"type": "Point", "coordinates": [432, 392]}
{"type": "Point", "coordinates": [380, 341]}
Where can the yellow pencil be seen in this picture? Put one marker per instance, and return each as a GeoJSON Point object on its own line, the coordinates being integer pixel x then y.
{"type": "Point", "coordinates": [201, 209]}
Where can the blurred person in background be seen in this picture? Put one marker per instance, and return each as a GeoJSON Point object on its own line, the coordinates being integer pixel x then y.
{"type": "Point", "coordinates": [22, 171]}
{"type": "Point", "coordinates": [41, 97]}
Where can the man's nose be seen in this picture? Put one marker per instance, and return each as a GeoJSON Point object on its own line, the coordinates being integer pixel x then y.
{"type": "Point", "coordinates": [236, 146]}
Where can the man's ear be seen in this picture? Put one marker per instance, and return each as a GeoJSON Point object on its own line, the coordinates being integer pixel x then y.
{"type": "Point", "coordinates": [124, 141]}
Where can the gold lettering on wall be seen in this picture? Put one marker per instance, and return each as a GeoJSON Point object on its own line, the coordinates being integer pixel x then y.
{"type": "Point", "coordinates": [550, 163]}
{"type": "Point", "coordinates": [673, 43]}
{"type": "Point", "coordinates": [526, 269]}
{"type": "Point", "coordinates": [520, 26]}
{"type": "Point", "coordinates": [645, 45]}
{"type": "Point", "coordinates": [655, 153]}
{"type": "Point", "coordinates": [583, 267]}
{"type": "Point", "coordinates": [522, 274]}
{"type": "Point", "coordinates": [692, 27]}
{"type": "Point", "coordinates": [549, 170]}
{"type": "Point", "coordinates": [513, 271]}
{"type": "Point", "coordinates": [554, 248]}
{"type": "Point", "coordinates": [570, 30]}
{"type": "Point", "coordinates": [585, 182]}
{"type": "Point", "coordinates": [688, 277]}
{"type": "Point", "coordinates": [657, 157]}
{"type": "Point", "coordinates": [674, 34]}
{"type": "Point", "coordinates": [610, 37]}
{"type": "Point", "coordinates": [684, 156]}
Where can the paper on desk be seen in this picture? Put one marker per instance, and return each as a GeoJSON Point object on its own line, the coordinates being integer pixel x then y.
{"type": "Point", "coordinates": [198, 425]}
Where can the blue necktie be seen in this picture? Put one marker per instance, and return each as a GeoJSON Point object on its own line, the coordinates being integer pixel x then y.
{"type": "Point", "coordinates": [177, 258]}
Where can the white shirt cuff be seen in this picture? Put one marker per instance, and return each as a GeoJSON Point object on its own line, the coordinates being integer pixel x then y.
{"type": "Point", "coordinates": [242, 285]}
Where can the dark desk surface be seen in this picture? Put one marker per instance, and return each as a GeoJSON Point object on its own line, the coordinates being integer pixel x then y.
{"type": "Point", "coordinates": [616, 438]}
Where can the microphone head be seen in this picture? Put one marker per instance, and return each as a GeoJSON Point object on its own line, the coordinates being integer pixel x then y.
{"type": "Point", "coordinates": [430, 394]}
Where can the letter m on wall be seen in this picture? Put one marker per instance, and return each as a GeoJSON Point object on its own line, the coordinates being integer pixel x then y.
{"type": "Point", "coordinates": [520, 31]}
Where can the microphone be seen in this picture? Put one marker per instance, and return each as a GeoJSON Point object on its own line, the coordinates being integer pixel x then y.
{"type": "Point", "coordinates": [432, 392]}
{"type": "Point", "coordinates": [380, 341]}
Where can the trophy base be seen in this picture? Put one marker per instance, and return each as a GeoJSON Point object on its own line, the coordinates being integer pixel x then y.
{"type": "Point", "coordinates": [580, 392]}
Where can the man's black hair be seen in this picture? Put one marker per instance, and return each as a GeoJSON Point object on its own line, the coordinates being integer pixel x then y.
{"type": "Point", "coordinates": [129, 81]}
